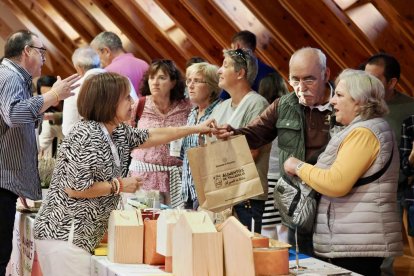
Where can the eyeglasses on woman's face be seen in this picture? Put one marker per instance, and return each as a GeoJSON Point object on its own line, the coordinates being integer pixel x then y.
{"type": "Point", "coordinates": [195, 81]}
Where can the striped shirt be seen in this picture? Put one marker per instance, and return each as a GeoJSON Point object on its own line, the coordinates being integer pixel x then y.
{"type": "Point", "coordinates": [19, 111]}
{"type": "Point", "coordinates": [189, 142]}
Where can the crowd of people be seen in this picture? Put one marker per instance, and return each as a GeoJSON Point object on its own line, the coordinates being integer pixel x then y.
{"type": "Point", "coordinates": [120, 125]}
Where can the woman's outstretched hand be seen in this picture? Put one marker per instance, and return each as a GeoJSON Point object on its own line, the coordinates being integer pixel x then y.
{"type": "Point", "coordinates": [223, 131]}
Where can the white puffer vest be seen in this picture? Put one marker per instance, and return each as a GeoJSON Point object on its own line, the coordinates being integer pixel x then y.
{"type": "Point", "coordinates": [365, 222]}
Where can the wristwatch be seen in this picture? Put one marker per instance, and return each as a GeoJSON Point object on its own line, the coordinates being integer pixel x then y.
{"type": "Point", "coordinates": [298, 166]}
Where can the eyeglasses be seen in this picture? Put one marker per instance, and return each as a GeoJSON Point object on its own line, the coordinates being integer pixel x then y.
{"type": "Point", "coordinates": [42, 50]}
{"type": "Point", "coordinates": [307, 82]}
{"type": "Point", "coordinates": [195, 81]}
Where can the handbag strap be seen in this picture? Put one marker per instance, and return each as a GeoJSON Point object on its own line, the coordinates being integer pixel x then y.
{"type": "Point", "coordinates": [140, 108]}
{"type": "Point", "coordinates": [375, 176]}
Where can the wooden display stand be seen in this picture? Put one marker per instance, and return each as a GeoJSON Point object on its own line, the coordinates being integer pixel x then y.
{"type": "Point", "coordinates": [125, 237]}
{"type": "Point", "coordinates": [238, 250]}
{"type": "Point", "coordinates": [248, 254]}
{"type": "Point", "coordinates": [150, 244]}
{"type": "Point", "coordinates": [165, 226]}
{"type": "Point", "coordinates": [200, 250]}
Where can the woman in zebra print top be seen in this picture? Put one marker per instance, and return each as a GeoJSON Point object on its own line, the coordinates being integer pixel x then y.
{"type": "Point", "coordinates": [90, 172]}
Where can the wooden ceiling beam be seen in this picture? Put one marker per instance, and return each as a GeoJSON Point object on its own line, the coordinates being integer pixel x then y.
{"type": "Point", "coordinates": [106, 24]}
{"type": "Point", "coordinates": [389, 40]}
{"type": "Point", "coordinates": [57, 61]}
{"type": "Point", "coordinates": [402, 28]}
{"type": "Point", "coordinates": [212, 19]}
{"type": "Point", "coordinates": [78, 18]}
{"type": "Point", "coordinates": [330, 31]}
{"type": "Point", "coordinates": [150, 33]}
{"type": "Point", "coordinates": [118, 18]}
{"type": "Point", "coordinates": [5, 29]}
{"type": "Point", "coordinates": [207, 45]}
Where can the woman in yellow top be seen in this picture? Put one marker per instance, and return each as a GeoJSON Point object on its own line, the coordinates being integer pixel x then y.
{"type": "Point", "coordinates": [357, 222]}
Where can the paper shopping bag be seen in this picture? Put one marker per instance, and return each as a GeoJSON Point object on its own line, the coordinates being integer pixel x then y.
{"type": "Point", "coordinates": [224, 173]}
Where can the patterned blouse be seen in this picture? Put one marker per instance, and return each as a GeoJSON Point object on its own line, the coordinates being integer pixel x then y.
{"type": "Point", "coordinates": [191, 141]}
{"type": "Point", "coordinates": [84, 157]}
{"type": "Point", "coordinates": [152, 118]}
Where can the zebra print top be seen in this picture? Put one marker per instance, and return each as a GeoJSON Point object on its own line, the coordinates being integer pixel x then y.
{"type": "Point", "coordinates": [84, 157]}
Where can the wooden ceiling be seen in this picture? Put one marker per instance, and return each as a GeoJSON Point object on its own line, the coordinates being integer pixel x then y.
{"type": "Point", "coordinates": [348, 31]}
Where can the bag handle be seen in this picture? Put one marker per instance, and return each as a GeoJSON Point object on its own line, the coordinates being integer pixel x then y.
{"type": "Point", "coordinates": [140, 108]}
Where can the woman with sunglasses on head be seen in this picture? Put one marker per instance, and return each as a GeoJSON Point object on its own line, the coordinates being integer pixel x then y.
{"type": "Point", "coordinates": [203, 91]}
{"type": "Point", "coordinates": [165, 106]}
{"type": "Point", "coordinates": [236, 76]}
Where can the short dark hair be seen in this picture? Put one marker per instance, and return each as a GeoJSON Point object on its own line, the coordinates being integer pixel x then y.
{"type": "Point", "coordinates": [16, 42]}
{"type": "Point", "coordinates": [168, 67]}
{"type": "Point", "coordinates": [99, 96]}
{"type": "Point", "coordinates": [248, 39]}
{"type": "Point", "coordinates": [193, 60]}
{"type": "Point", "coordinates": [45, 81]}
{"type": "Point", "coordinates": [391, 65]}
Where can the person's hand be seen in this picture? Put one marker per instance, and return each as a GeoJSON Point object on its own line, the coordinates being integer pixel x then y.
{"type": "Point", "coordinates": [290, 165]}
{"type": "Point", "coordinates": [64, 87]}
{"type": "Point", "coordinates": [131, 184]}
{"type": "Point", "coordinates": [206, 127]}
{"type": "Point", "coordinates": [224, 131]}
{"type": "Point", "coordinates": [72, 193]}
{"type": "Point", "coordinates": [48, 116]}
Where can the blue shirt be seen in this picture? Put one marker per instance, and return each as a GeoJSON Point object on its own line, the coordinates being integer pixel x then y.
{"type": "Point", "coordinates": [189, 142]}
{"type": "Point", "coordinates": [19, 111]}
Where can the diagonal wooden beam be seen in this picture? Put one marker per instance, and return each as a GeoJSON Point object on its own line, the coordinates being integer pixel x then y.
{"type": "Point", "coordinates": [389, 39]}
{"type": "Point", "coordinates": [153, 37]}
{"type": "Point", "coordinates": [127, 28]}
{"type": "Point", "coordinates": [5, 29]}
{"type": "Point", "coordinates": [202, 39]}
{"type": "Point", "coordinates": [330, 32]}
{"type": "Point", "coordinates": [57, 59]}
{"type": "Point", "coordinates": [78, 18]}
{"type": "Point", "coordinates": [401, 26]}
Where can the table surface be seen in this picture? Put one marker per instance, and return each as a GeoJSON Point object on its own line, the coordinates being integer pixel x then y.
{"type": "Point", "coordinates": [101, 266]}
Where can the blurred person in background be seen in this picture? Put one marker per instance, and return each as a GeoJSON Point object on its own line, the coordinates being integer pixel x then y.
{"type": "Point", "coordinates": [50, 133]}
{"type": "Point", "coordinates": [271, 87]}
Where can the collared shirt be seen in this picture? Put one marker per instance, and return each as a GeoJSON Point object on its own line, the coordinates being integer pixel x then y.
{"type": "Point", "coordinates": [129, 66]}
{"type": "Point", "coordinates": [19, 111]}
{"type": "Point", "coordinates": [406, 145]}
{"type": "Point", "coordinates": [189, 142]}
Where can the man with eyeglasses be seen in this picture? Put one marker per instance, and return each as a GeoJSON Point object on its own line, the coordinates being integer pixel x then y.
{"type": "Point", "coordinates": [24, 56]}
{"type": "Point", "coordinates": [300, 120]}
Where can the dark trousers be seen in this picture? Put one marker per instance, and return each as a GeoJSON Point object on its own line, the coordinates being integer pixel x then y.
{"type": "Point", "coordinates": [251, 209]}
{"type": "Point", "coordinates": [367, 266]}
{"type": "Point", "coordinates": [305, 241]}
{"type": "Point", "coordinates": [7, 214]}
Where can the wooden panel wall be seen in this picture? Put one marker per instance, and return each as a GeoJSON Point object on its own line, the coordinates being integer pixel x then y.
{"type": "Point", "coordinates": [203, 28]}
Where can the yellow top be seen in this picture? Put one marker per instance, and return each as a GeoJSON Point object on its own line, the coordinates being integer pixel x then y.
{"type": "Point", "coordinates": [356, 154]}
